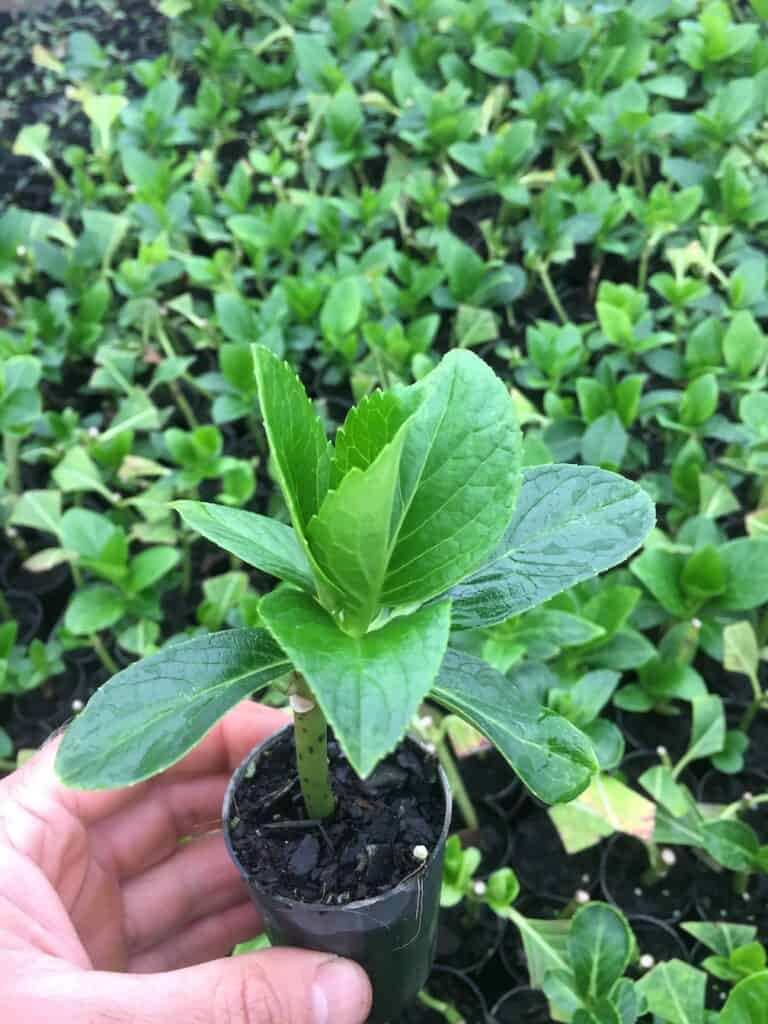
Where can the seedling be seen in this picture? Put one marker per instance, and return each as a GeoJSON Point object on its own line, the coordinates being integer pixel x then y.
{"type": "Point", "coordinates": [417, 519]}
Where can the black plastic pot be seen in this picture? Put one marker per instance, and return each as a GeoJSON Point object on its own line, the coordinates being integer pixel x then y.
{"type": "Point", "coordinates": [467, 943]}
{"type": "Point", "coordinates": [393, 936]}
{"type": "Point", "coordinates": [522, 1006]}
{"type": "Point", "coordinates": [455, 989]}
{"type": "Point", "coordinates": [28, 613]}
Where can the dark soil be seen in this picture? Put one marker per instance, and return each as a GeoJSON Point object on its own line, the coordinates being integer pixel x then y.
{"type": "Point", "coordinates": [542, 864]}
{"type": "Point", "coordinates": [623, 866]}
{"type": "Point", "coordinates": [362, 851]}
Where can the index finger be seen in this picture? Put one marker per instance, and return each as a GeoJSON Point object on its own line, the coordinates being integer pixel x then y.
{"type": "Point", "coordinates": [219, 752]}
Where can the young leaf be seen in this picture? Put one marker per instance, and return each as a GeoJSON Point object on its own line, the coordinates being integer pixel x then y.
{"type": "Point", "coordinates": [301, 451]}
{"type": "Point", "coordinates": [264, 543]}
{"type": "Point", "coordinates": [40, 510]}
{"type": "Point", "coordinates": [369, 426]}
{"type": "Point", "coordinates": [152, 713]}
{"type": "Point", "coordinates": [746, 567]}
{"type": "Point", "coordinates": [600, 944]}
{"type": "Point", "coordinates": [570, 523]}
{"type": "Point", "coordinates": [552, 757]}
{"type": "Point", "coordinates": [368, 687]}
{"type": "Point", "coordinates": [350, 536]}
{"type": "Point", "coordinates": [545, 943]}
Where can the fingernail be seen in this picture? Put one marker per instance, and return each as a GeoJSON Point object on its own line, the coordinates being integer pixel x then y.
{"type": "Point", "coordinates": [341, 993]}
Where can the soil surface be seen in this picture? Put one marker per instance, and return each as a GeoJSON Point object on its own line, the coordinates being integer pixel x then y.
{"type": "Point", "coordinates": [362, 851]}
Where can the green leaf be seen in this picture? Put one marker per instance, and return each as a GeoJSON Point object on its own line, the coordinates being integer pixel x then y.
{"type": "Point", "coordinates": [744, 345]}
{"type": "Point", "coordinates": [731, 843]}
{"type": "Point", "coordinates": [368, 427]}
{"type": "Point", "coordinates": [264, 543]}
{"type": "Point", "coordinates": [605, 442]}
{"type": "Point", "coordinates": [660, 571]}
{"type": "Point", "coordinates": [351, 537]}
{"type": "Point", "coordinates": [741, 652]}
{"type": "Point", "coordinates": [78, 472]}
{"type": "Point", "coordinates": [746, 567]}
{"type": "Point", "coordinates": [237, 319]}
{"type": "Point", "coordinates": [369, 687]}
{"type": "Point", "coordinates": [296, 437]}
{"type": "Point", "coordinates": [570, 523]}
{"type": "Point", "coordinates": [474, 326]}
{"type": "Point", "coordinates": [32, 141]}
{"type": "Point", "coordinates": [93, 609]}
{"type": "Point", "coordinates": [660, 783]}
{"type": "Point", "coordinates": [552, 757]}
{"type": "Point", "coordinates": [707, 730]}
{"type": "Point", "coordinates": [40, 510]}
{"type": "Point", "coordinates": [103, 110]}
{"type": "Point", "coordinates": [720, 937]}
{"type": "Point", "coordinates": [459, 477]}
{"type": "Point", "coordinates": [545, 943]}
{"type": "Point", "coordinates": [342, 309]}
{"type": "Point", "coordinates": [152, 713]}
{"type": "Point", "coordinates": [149, 566]}
{"type": "Point", "coordinates": [748, 1002]}
{"type": "Point", "coordinates": [675, 991]}
{"type": "Point", "coordinates": [600, 945]}
{"type": "Point", "coordinates": [699, 400]}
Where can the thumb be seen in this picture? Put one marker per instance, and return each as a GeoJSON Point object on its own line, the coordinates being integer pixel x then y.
{"type": "Point", "coordinates": [276, 986]}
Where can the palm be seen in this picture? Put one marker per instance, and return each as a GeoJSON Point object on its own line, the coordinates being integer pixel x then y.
{"type": "Point", "coordinates": [101, 881]}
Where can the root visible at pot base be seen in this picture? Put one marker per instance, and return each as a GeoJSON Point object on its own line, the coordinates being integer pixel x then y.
{"type": "Point", "coordinates": [311, 735]}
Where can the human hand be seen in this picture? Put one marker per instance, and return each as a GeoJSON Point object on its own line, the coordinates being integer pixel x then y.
{"type": "Point", "coordinates": [106, 919]}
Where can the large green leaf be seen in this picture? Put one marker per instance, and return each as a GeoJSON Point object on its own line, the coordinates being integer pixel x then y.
{"type": "Point", "coordinates": [600, 945]}
{"type": "Point", "coordinates": [350, 537]}
{"type": "Point", "coordinates": [300, 449]}
{"type": "Point", "coordinates": [553, 758]}
{"type": "Point", "coordinates": [264, 543]}
{"type": "Point", "coordinates": [369, 687]}
{"type": "Point", "coordinates": [153, 712]}
{"type": "Point", "coordinates": [459, 477]}
{"type": "Point", "coordinates": [748, 1002]}
{"type": "Point", "coordinates": [571, 523]}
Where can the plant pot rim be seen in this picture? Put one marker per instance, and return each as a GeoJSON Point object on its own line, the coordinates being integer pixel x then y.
{"type": "Point", "coordinates": [369, 901]}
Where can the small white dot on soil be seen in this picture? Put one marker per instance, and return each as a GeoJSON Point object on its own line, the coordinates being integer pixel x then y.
{"type": "Point", "coordinates": [77, 705]}
{"type": "Point", "coordinates": [638, 892]}
{"type": "Point", "coordinates": [581, 896]}
{"type": "Point", "coordinates": [647, 961]}
{"type": "Point", "coordinates": [480, 888]}
{"type": "Point", "coordinates": [668, 857]}
{"type": "Point", "coordinates": [585, 879]}
{"type": "Point", "coordinates": [420, 852]}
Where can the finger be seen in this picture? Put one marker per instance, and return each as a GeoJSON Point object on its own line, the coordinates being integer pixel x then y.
{"type": "Point", "coordinates": [148, 831]}
{"type": "Point", "coordinates": [207, 939]}
{"type": "Point", "coordinates": [218, 753]}
{"type": "Point", "coordinates": [198, 880]}
{"type": "Point", "coordinates": [277, 986]}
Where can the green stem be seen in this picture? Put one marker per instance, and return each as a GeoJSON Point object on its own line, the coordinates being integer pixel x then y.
{"type": "Point", "coordinates": [450, 1013]}
{"type": "Point", "coordinates": [743, 805]}
{"type": "Point", "coordinates": [549, 288]}
{"type": "Point", "coordinates": [740, 882]}
{"type": "Point", "coordinates": [656, 867]}
{"type": "Point", "coordinates": [637, 170]}
{"type": "Point", "coordinates": [645, 258]}
{"type": "Point", "coordinates": [455, 781]}
{"type": "Point", "coordinates": [311, 737]}
{"type": "Point", "coordinates": [11, 456]}
{"type": "Point", "coordinates": [757, 698]}
{"type": "Point", "coordinates": [589, 163]}
{"type": "Point", "coordinates": [105, 657]}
